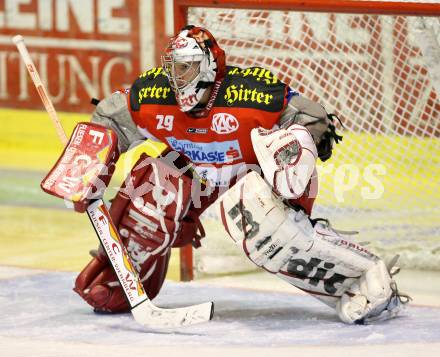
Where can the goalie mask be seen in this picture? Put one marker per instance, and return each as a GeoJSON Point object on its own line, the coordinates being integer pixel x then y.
{"type": "Point", "coordinates": [193, 61]}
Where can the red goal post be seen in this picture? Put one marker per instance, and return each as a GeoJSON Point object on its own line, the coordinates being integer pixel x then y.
{"type": "Point", "coordinates": [396, 119]}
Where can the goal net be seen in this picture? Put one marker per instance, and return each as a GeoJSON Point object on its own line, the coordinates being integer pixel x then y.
{"type": "Point", "coordinates": [380, 73]}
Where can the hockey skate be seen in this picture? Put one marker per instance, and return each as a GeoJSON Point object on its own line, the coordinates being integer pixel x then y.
{"type": "Point", "coordinates": [395, 305]}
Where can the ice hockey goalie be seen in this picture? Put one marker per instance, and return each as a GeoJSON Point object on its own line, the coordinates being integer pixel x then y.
{"type": "Point", "coordinates": [217, 121]}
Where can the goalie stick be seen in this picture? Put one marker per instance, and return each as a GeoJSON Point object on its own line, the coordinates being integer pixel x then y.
{"type": "Point", "coordinates": [143, 310]}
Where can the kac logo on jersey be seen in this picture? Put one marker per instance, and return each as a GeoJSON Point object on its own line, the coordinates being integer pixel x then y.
{"type": "Point", "coordinates": [224, 123]}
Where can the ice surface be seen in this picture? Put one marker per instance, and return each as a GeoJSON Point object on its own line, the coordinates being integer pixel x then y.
{"type": "Point", "coordinates": [43, 308]}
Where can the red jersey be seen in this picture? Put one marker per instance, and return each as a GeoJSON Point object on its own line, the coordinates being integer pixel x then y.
{"type": "Point", "coordinates": [219, 145]}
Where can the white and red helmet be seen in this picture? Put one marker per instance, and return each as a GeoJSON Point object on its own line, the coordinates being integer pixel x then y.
{"type": "Point", "coordinates": [193, 49]}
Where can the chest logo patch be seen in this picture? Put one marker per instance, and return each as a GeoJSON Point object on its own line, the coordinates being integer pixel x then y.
{"type": "Point", "coordinates": [215, 152]}
{"type": "Point", "coordinates": [224, 123]}
{"type": "Point", "coordinates": [197, 130]}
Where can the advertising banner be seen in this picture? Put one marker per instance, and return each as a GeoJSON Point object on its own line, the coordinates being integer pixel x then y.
{"type": "Point", "coordinates": [81, 48]}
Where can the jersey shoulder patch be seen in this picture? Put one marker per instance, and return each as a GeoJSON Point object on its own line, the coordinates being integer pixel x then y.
{"type": "Point", "coordinates": [253, 87]}
{"type": "Point", "coordinates": [151, 87]}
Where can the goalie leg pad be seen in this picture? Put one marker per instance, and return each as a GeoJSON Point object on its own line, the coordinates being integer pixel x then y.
{"type": "Point", "coordinates": [147, 211]}
{"type": "Point", "coordinates": [98, 286]}
{"type": "Point", "coordinates": [316, 259]}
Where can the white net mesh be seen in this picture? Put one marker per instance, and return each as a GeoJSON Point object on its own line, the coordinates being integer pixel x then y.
{"type": "Point", "coordinates": [383, 179]}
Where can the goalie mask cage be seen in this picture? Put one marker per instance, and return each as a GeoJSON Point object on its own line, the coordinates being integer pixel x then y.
{"type": "Point", "coordinates": [377, 65]}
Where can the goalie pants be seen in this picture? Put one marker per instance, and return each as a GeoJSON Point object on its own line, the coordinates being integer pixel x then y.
{"type": "Point", "coordinates": [153, 212]}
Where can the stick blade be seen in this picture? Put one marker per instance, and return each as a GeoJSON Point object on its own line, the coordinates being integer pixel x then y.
{"type": "Point", "coordinates": [154, 317]}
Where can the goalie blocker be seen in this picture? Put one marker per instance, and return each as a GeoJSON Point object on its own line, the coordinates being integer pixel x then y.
{"type": "Point", "coordinates": [83, 171]}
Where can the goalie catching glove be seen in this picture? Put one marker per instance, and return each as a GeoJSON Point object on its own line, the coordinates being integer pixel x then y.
{"type": "Point", "coordinates": [314, 258]}
{"type": "Point", "coordinates": [323, 131]}
{"type": "Point", "coordinates": [319, 123]}
{"type": "Point", "coordinates": [287, 158]}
